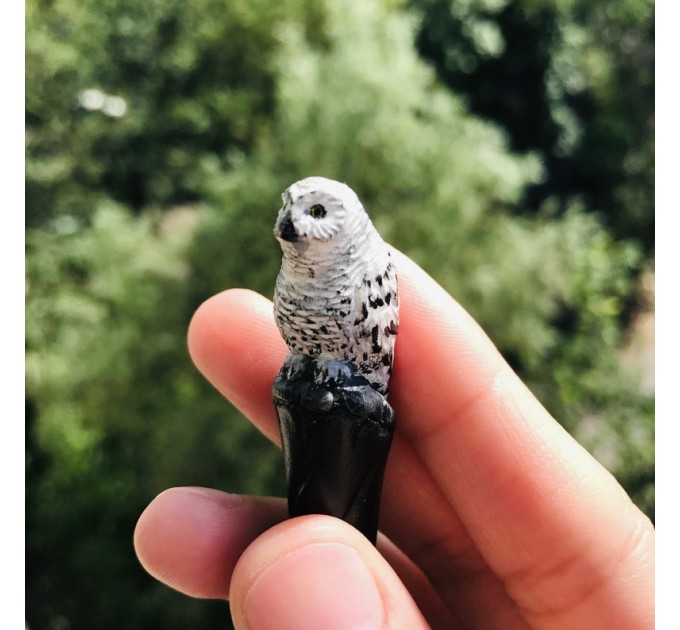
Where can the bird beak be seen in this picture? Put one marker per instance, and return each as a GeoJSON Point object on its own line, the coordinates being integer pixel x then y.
{"type": "Point", "coordinates": [285, 229]}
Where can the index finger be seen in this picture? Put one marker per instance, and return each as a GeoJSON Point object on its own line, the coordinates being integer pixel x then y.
{"type": "Point", "coordinates": [552, 523]}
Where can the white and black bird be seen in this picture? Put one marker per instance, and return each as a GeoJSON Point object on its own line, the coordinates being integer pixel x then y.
{"type": "Point", "coordinates": [336, 294]}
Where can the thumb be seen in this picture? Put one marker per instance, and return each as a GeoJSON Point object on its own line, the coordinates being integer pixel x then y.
{"type": "Point", "coordinates": [318, 572]}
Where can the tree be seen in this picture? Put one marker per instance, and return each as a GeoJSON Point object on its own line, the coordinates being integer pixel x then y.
{"type": "Point", "coordinates": [571, 80]}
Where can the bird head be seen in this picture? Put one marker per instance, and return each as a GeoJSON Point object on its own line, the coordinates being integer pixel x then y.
{"type": "Point", "coordinates": [316, 210]}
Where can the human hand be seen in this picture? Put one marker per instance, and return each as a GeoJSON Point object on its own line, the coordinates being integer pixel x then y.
{"type": "Point", "coordinates": [492, 515]}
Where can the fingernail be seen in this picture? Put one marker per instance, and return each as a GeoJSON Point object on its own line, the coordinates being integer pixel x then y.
{"type": "Point", "coordinates": [325, 585]}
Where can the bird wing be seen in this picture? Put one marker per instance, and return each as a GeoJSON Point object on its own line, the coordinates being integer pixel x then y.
{"type": "Point", "coordinates": [375, 324]}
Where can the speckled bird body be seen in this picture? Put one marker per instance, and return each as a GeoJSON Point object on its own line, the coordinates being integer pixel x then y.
{"type": "Point", "coordinates": [336, 294]}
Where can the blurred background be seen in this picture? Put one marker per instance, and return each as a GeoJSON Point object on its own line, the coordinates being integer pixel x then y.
{"type": "Point", "coordinates": [508, 147]}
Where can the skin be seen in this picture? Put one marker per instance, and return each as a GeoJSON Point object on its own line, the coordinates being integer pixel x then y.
{"type": "Point", "coordinates": [492, 515]}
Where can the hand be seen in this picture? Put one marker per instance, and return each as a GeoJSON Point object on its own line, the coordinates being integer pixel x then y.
{"type": "Point", "coordinates": [492, 515]}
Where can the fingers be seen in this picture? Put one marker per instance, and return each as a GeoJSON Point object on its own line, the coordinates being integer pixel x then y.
{"type": "Point", "coordinates": [418, 517]}
{"type": "Point", "coordinates": [496, 474]}
{"type": "Point", "coordinates": [191, 538]}
{"type": "Point", "coordinates": [550, 521]}
{"type": "Point", "coordinates": [235, 344]}
{"type": "Point", "coordinates": [318, 572]}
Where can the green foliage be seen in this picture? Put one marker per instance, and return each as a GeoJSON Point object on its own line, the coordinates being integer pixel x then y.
{"type": "Point", "coordinates": [117, 414]}
{"type": "Point", "coordinates": [572, 80]}
{"type": "Point", "coordinates": [186, 94]}
{"type": "Point", "coordinates": [136, 218]}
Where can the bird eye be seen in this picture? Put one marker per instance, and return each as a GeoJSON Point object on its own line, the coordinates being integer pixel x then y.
{"type": "Point", "coordinates": [317, 211]}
